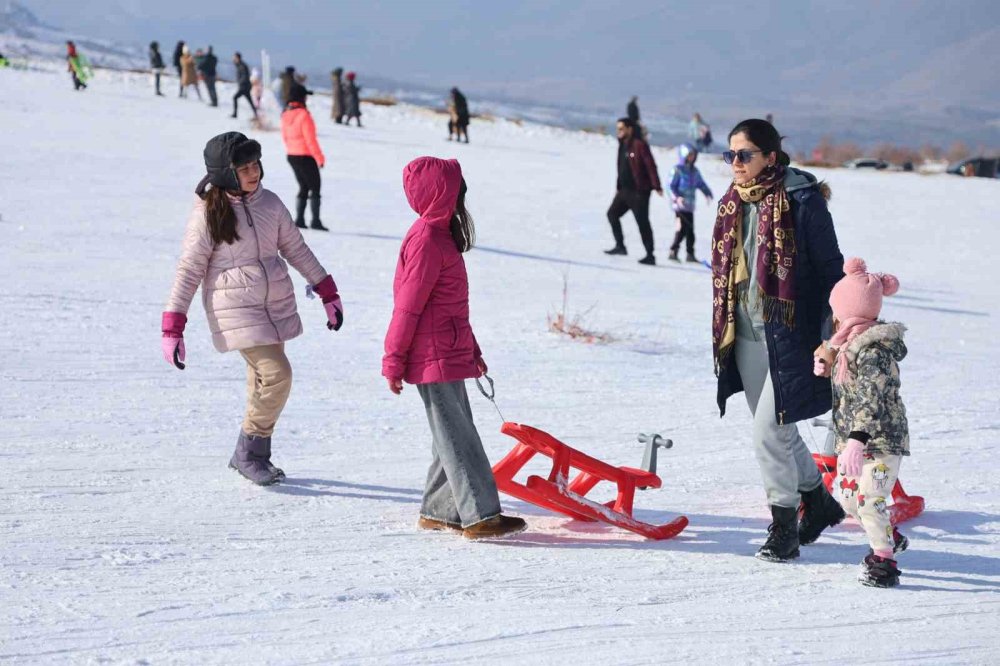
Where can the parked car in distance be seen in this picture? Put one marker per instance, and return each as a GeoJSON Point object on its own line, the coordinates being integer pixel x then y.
{"type": "Point", "coordinates": [983, 167]}
{"type": "Point", "coordinates": [866, 163]}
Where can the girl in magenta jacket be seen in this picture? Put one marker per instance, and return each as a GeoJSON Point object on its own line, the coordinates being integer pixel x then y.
{"type": "Point", "coordinates": [235, 247]}
{"type": "Point", "coordinates": [430, 343]}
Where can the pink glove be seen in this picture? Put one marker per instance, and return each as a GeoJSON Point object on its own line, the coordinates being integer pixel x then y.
{"type": "Point", "coordinates": [173, 351]}
{"type": "Point", "coordinates": [850, 459]}
{"type": "Point", "coordinates": [327, 290]}
{"type": "Point", "coordinates": [172, 343]}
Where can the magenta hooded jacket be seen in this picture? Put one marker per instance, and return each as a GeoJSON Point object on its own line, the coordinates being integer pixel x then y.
{"type": "Point", "coordinates": [429, 338]}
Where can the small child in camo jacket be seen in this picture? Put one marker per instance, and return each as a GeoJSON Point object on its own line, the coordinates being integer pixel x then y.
{"type": "Point", "coordinates": [868, 413]}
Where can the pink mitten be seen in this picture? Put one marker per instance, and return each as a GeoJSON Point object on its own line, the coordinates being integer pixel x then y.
{"type": "Point", "coordinates": [172, 344]}
{"type": "Point", "coordinates": [819, 367]}
{"type": "Point", "coordinates": [327, 290]}
{"type": "Point", "coordinates": [850, 459]}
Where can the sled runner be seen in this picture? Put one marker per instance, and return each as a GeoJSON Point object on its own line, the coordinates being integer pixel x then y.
{"type": "Point", "coordinates": [904, 507]}
{"type": "Point", "coordinates": [560, 494]}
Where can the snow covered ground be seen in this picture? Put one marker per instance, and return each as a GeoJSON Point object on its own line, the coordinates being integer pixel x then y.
{"type": "Point", "coordinates": [125, 539]}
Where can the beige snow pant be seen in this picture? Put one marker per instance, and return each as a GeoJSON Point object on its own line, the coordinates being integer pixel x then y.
{"type": "Point", "coordinates": [865, 496]}
{"type": "Point", "coordinates": [269, 381]}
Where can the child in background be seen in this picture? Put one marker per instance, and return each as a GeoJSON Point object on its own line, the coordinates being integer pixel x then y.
{"type": "Point", "coordinates": [868, 412]}
{"type": "Point", "coordinates": [235, 247]}
{"type": "Point", "coordinates": [685, 180]}
{"type": "Point", "coordinates": [430, 343]}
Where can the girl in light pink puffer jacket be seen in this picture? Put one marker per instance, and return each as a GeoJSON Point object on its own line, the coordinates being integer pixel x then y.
{"type": "Point", "coordinates": [430, 343]}
{"type": "Point", "coordinates": [237, 240]}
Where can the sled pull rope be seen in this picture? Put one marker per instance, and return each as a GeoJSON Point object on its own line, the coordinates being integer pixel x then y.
{"type": "Point", "coordinates": [490, 396]}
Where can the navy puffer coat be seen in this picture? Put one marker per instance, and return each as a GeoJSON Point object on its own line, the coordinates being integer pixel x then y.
{"type": "Point", "coordinates": [798, 393]}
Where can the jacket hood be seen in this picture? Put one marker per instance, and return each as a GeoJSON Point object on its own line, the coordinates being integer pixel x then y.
{"type": "Point", "coordinates": [683, 151]}
{"type": "Point", "coordinates": [887, 334]}
{"type": "Point", "coordinates": [797, 179]}
{"type": "Point", "coordinates": [431, 186]}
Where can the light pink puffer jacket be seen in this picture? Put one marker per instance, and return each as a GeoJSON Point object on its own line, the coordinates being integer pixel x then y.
{"type": "Point", "coordinates": [245, 287]}
{"type": "Point", "coordinates": [429, 338]}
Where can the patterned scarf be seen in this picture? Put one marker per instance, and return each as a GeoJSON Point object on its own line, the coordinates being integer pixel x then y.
{"type": "Point", "coordinates": [775, 256]}
{"type": "Point", "coordinates": [846, 332]}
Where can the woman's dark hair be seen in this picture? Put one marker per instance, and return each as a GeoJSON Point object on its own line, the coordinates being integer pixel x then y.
{"type": "Point", "coordinates": [219, 216]}
{"type": "Point", "coordinates": [463, 230]}
{"type": "Point", "coordinates": [764, 136]}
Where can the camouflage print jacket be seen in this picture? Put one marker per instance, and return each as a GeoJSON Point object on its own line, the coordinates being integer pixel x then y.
{"type": "Point", "coordinates": [870, 402]}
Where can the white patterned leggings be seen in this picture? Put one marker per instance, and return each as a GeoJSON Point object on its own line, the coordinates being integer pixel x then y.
{"type": "Point", "coordinates": [865, 497]}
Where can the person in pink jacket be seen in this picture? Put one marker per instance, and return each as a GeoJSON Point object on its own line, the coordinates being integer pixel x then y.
{"type": "Point", "coordinates": [237, 241]}
{"type": "Point", "coordinates": [430, 343]}
{"type": "Point", "coordinates": [304, 154]}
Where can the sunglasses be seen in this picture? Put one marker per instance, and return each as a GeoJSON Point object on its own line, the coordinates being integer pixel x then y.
{"type": "Point", "coordinates": [729, 156]}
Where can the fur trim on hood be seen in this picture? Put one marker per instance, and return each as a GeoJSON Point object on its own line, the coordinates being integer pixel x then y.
{"type": "Point", "coordinates": [887, 334]}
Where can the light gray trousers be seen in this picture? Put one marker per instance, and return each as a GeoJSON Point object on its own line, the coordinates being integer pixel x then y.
{"type": "Point", "coordinates": [460, 488]}
{"type": "Point", "coordinates": [786, 465]}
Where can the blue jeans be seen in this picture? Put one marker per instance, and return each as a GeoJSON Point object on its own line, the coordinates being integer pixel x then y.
{"type": "Point", "coordinates": [460, 488]}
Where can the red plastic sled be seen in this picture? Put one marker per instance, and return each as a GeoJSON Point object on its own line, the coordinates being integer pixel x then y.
{"type": "Point", "coordinates": [904, 507]}
{"type": "Point", "coordinates": [558, 494]}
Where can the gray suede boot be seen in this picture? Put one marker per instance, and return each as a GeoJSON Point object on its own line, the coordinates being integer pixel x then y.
{"type": "Point", "coordinates": [250, 459]}
{"type": "Point", "coordinates": [279, 474]}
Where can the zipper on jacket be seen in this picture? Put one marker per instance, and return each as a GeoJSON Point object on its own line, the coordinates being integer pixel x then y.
{"type": "Point", "coordinates": [267, 281]}
{"type": "Point", "coordinates": [779, 407]}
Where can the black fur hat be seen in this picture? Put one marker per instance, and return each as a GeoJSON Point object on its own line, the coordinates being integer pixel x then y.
{"type": "Point", "coordinates": [223, 154]}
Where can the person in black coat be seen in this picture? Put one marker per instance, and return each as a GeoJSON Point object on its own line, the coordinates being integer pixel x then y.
{"type": "Point", "coordinates": [178, 52]}
{"type": "Point", "coordinates": [632, 110]}
{"type": "Point", "coordinates": [207, 66]}
{"type": "Point", "coordinates": [243, 85]}
{"type": "Point", "coordinates": [770, 312]}
{"type": "Point", "coordinates": [458, 116]}
{"type": "Point", "coordinates": [156, 64]}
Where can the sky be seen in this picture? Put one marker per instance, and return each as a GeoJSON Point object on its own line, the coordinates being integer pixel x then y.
{"type": "Point", "coordinates": [891, 56]}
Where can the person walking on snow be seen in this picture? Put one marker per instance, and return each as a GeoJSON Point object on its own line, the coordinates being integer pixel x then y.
{"type": "Point", "coordinates": [78, 67]}
{"type": "Point", "coordinates": [632, 110]}
{"type": "Point", "coordinates": [337, 95]}
{"type": "Point", "coordinates": [868, 413]}
{"type": "Point", "coordinates": [237, 241]}
{"type": "Point", "coordinates": [298, 131]}
{"type": "Point", "coordinates": [178, 52]}
{"type": "Point", "coordinates": [242, 85]}
{"type": "Point", "coordinates": [189, 73]}
{"type": "Point", "coordinates": [685, 180]}
{"type": "Point", "coordinates": [774, 261]}
{"type": "Point", "coordinates": [458, 116]}
{"type": "Point", "coordinates": [430, 343]}
{"type": "Point", "coordinates": [208, 66]}
{"type": "Point", "coordinates": [700, 133]}
{"type": "Point", "coordinates": [156, 64]}
{"type": "Point", "coordinates": [352, 101]}
{"type": "Point", "coordinates": [637, 178]}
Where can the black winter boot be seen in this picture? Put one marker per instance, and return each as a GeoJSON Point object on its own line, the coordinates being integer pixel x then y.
{"type": "Point", "coordinates": [617, 249]}
{"type": "Point", "coordinates": [782, 536]}
{"type": "Point", "coordinates": [879, 572]}
{"type": "Point", "coordinates": [300, 212]}
{"type": "Point", "coordinates": [314, 207]}
{"type": "Point", "coordinates": [820, 511]}
{"type": "Point", "coordinates": [673, 256]}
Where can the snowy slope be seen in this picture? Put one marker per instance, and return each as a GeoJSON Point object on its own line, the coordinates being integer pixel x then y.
{"type": "Point", "coordinates": [124, 538]}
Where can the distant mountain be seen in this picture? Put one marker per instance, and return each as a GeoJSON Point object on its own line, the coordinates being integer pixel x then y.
{"type": "Point", "coordinates": [23, 35]}
{"type": "Point", "coordinates": [910, 72]}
